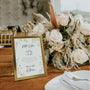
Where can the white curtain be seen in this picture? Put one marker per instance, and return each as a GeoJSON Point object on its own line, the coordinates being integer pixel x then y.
{"type": "Point", "coordinates": [56, 5]}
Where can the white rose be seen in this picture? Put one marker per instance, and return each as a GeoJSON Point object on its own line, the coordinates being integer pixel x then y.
{"type": "Point", "coordinates": [79, 56]}
{"type": "Point", "coordinates": [54, 36]}
{"type": "Point", "coordinates": [38, 30]}
{"type": "Point", "coordinates": [85, 28]}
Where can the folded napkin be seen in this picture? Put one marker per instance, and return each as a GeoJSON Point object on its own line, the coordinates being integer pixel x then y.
{"type": "Point", "coordinates": [66, 79]}
{"type": "Point", "coordinates": [1, 46]}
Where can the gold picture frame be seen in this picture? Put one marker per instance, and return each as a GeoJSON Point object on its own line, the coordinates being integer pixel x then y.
{"type": "Point", "coordinates": [40, 66]}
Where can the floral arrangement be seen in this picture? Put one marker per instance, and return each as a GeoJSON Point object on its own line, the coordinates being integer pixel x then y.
{"type": "Point", "coordinates": [65, 36]}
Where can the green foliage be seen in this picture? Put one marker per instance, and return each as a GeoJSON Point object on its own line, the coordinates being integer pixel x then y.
{"type": "Point", "coordinates": [64, 32]}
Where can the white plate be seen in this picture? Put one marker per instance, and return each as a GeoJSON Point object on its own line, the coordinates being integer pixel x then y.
{"type": "Point", "coordinates": [55, 83]}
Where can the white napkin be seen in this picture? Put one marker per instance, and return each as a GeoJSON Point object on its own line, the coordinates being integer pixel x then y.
{"type": "Point", "coordinates": [66, 79]}
{"type": "Point", "coordinates": [1, 46]}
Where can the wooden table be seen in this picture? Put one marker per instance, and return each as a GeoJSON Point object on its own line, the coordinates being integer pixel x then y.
{"type": "Point", "coordinates": [8, 83]}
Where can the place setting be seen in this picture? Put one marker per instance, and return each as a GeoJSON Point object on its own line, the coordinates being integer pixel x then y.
{"type": "Point", "coordinates": [77, 80]}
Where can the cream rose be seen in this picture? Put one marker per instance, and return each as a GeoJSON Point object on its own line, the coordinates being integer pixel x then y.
{"type": "Point", "coordinates": [79, 56]}
{"type": "Point", "coordinates": [85, 28]}
{"type": "Point", "coordinates": [54, 36]}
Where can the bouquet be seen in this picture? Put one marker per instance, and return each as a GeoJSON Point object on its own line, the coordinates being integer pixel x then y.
{"type": "Point", "coordinates": [66, 36]}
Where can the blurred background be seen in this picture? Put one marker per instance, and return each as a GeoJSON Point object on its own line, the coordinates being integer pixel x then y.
{"type": "Point", "coordinates": [19, 12]}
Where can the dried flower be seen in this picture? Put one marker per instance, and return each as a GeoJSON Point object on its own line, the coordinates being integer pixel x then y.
{"type": "Point", "coordinates": [85, 28]}
{"type": "Point", "coordinates": [56, 47]}
{"type": "Point", "coordinates": [47, 35]}
{"type": "Point", "coordinates": [78, 18]}
{"type": "Point", "coordinates": [53, 18]}
{"type": "Point", "coordinates": [72, 22]}
{"type": "Point", "coordinates": [79, 56]}
{"type": "Point", "coordinates": [38, 29]}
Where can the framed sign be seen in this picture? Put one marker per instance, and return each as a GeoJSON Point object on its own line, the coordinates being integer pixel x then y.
{"type": "Point", "coordinates": [29, 60]}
